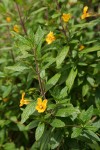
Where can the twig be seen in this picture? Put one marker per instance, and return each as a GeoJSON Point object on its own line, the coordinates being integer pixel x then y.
{"type": "Point", "coordinates": [38, 74]}
{"type": "Point", "coordinates": [34, 51]}
{"type": "Point", "coordinates": [21, 20]}
{"type": "Point", "coordinates": [63, 29]}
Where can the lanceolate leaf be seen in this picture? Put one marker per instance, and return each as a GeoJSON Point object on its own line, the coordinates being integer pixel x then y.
{"type": "Point", "coordinates": [39, 131]}
{"type": "Point", "coordinates": [52, 81]}
{"type": "Point", "coordinates": [86, 115]}
{"type": "Point", "coordinates": [60, 58]}
{"type": "Point", "coordinates": [92, 49]}
{"type": "Point", "coordinates": [38, 36]}
{"type": "Point", "coordinates": [76, 132]}
{"type": "Point", "coordinates": [29, 110]}
{"type": "Point", "coordinates": [71, 78]}
{"type": "Point", "coordinates": [57, 123]}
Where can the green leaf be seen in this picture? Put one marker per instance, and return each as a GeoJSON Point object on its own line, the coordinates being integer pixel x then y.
{"type": "Point", "coordinates": [32, 124]}
{"type": "Point", "coordinates": [45, 140]}
{"type": "Point", "coordinates": [76, 132]}
{"type": "Point", "coordinates": [7, 91]}
{"type": "Point", "coordinates": [91, 81]}
{"type": "Point", "coordinates": [92, 135]}
{"type": "Point", "coordinates": [56, 15]}
{"type": "Point", "coordinates": [9, 146]}
{"type": "Point", "coordinates": [63, 92]}
{"type": "Point", "coordinates": [60, 58]}
{"type": "Point", "coordinates": [17, 68]}
{"type": "Point", "coordinates": [29, 110]}
{"type": "Point", "coordinates": [85, 89]}
{"type": "Point", "coordinates": [22, 39]}
{"type": "Point", "coordinates": [56, 138]}
{"type": "Point", "coordinates": [38, 36]}
{"type": "Point", "coordinates": [71, 77]}
{"type": "Point", "coordinates": [65, 112]}
{"type": "Point", "coordinates": [38, 11]}
{"type": "Point", "coordinates": [39, 131]}
{"type": "Point", "coordinates": [52, 81]}
{"type": "Point", "coordinates": [92, 49]}
{"type": "Point", "coordinates": [86, 115]}
{"type": "Point", "coordinates": [57, 123]}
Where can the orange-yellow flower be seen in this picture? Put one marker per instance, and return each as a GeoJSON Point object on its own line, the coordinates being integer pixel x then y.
{"type": "Point", "coordinates": [81, 47]}
{"type": "Point", "coordinates": [24, 101]}
{"type": "Point", "coordinates": [8, 19]}
{"type": "Point", "coordinates": [85, 13]}
{"type": "Point", "coordinates": [66, 17]}
{"type": "Point", "coordinates": [41, 105]}
{"type": "Point", "coordinates": [16, 28]}
{"type": "Point", "coordinates": [50, 37]}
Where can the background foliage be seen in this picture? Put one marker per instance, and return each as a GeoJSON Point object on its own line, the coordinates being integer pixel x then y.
{"type": "Point", "coordinates": [70, 77]}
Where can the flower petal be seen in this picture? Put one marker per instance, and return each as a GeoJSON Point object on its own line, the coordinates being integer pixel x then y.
{"type": "Point", "coordinates": [85, 9]}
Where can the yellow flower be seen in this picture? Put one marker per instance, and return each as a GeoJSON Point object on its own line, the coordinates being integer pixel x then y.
{"type": "Point", "coordinates": [41, 105]}
{"type": "Point", "coordinates": [66, 17]}
{"type": "Point", "coordinates": [16, 28]}
{"type": "Point", "coordinates": [50, 37]}
{"type": "Point", "coordinates": [85, 13]}
{"type": "Point", "coordinates": [8, 19]}
{"type": "Point", "coordinates": [81, 47]}
{"type": "Point", "coordinates": [24, 101]}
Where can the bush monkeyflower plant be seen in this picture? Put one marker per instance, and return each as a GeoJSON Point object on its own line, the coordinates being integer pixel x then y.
{"type": "Point", "coordinates": [61, 77]}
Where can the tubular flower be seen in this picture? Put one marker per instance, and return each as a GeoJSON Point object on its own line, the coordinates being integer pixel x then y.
{"type": "Point", "coordinates": [50, 37]}
{"type": "Point", "coordinates": [81, 47]}
{"type": "Point", "coordinates": [85, 13]}
{"type": "Point", "coordinates": [41, 105]}
{"type": "Point", "coordinates": [16, 28]}
{"type": "Point", "coordinates": [8, 19]}
{"type": "Point", "coordinates": [66, 17]}
{"type": "Point", "coordinates": [24, 101]}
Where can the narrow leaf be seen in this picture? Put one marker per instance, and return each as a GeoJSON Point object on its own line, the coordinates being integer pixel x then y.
{"type": "Point", "coordinates": [92, 49]}
{"type": "Point", "coordinates": [71, 78]}
{"type": "Point", "coordinates": [86, 115]}
{"type": "Point", "coordinates": [60, 58]}
{"type": "Point", "coordinates": [39, 131]}
{"type": "Point", "coordinates": [76, 132]}
{"type": "Point", "coordinates": [29, 110]}
{"type": "Point", "coordinates": [57, 123]}
{"type": "Point", "coordinates": [52, 81]}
